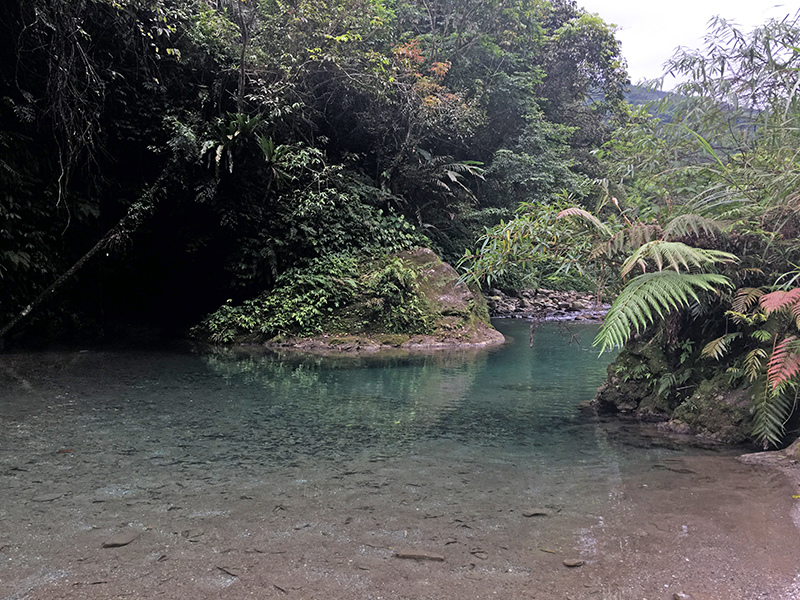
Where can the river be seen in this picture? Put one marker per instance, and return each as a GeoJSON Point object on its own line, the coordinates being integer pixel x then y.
{"type": "Point", "coordinates": [249, 474]}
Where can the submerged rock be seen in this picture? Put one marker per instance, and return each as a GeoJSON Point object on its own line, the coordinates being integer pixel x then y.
{"type": "Point", "coordinates": [122, 538]}
{"type": "Point", "coordinates": [419, 555]}
{"type": "Point", "coordinates": [536, 512]}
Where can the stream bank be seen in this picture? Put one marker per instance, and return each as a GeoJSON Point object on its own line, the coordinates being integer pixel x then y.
{"type": "Point", "coordinates": [545, 305]}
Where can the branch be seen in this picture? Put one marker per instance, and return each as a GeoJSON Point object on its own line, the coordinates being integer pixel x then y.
{"type": "Point", "coordinates": [113, 237]}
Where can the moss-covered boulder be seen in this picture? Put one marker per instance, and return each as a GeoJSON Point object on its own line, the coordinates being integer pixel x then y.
{"type": "Point", "coordinates": [650, 385]}
{"type": "Point", "coordinates": [409, 300]}
{"type": "Point", "coordinates": [632, 383]}
{"type": "Point", "coordinates": [715, 410]}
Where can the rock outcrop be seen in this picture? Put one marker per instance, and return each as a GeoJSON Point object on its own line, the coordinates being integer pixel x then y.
{"type": "Point", "coordinates": [637, 386]}
{"type": "Point", "coordinates": [458, 314]}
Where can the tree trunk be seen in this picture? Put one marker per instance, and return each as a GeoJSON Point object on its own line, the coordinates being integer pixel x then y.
{"type": "Point", "coordinates": [113, 236]}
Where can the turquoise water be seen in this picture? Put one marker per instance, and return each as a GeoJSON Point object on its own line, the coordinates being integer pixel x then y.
{"type": "Point", "coordinates": [237, 414]}
{"type": "Point", "coordinates": [283, 451]}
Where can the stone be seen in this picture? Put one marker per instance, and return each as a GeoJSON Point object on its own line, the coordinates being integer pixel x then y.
{"type": "Point", "coordinates": [123, 538]}
{"type": "Point", "coordinates": [418, 555]}
{"type": "Point", "coordinates": [46, 497]}
{"type": "Point", "coordinates": [573, 562]}
{"type": "Point", "coordinates": [536, 512]}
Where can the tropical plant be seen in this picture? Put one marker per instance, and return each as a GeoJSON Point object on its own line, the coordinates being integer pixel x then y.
{"type": "Point", "coordinates": [766, 353]}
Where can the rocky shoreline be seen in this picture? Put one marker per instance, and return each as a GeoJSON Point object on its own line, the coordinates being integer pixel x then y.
{"type": "Point", "coordinates": [545, 305]}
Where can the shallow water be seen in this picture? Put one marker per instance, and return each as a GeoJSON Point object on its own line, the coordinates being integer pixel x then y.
{"type": "Point", "coordinates": [231, 413]}
{"type": "Point", "coordinates": [242, 446]}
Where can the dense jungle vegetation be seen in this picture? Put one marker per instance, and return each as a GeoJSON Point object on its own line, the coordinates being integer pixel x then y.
{"type": "Point", "coordinates": [695, 236]}
{"type": "Point", "coordinates": [161, 160]}
{"type": "Point", "coordinates": [201, 151]}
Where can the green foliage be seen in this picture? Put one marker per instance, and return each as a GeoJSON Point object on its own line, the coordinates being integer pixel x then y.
{"type": "Point", "coordinates": [771, 411]}
{"type": "Point", "coordinates": [395, 301]}
{"type": "Point", "coordinates": [674, 255]}
{"type": "Point", "coordinates": [719, 172]}
{"type": "Point", "coordinates": [308, 300]}
{"type": "Point", "coordinates": [302, 300]}
{"type": "Point", "coordinates": [653, 296]}
{"type": "Point", "coordinates": [538, 238]}
{"type": "Point", "coordinates": [289, 131]}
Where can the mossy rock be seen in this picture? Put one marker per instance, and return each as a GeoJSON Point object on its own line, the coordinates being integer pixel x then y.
{"type": "Point", "coordinates": [455, 314]}
{"type": "Point", "coordinates": [444, 304]}
{"type": "Point", "coordinates": [655, 408]}
{"type": "Point", "coordinates": [717, 411]}
{"type": "Point", "coordinates": [344, 302]}
{"type": "Point", "coordinates": [629, 387]}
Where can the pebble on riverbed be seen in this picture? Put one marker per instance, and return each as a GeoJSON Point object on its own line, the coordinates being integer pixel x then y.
{"type": "Point", "coordinates": [536, 512]}
{"type": "Point", "coordinates": [121, 539]}
{"type": "Point", "coordinates": [573, 562]}
{"type": "Point", "coordinates": [418, 555]}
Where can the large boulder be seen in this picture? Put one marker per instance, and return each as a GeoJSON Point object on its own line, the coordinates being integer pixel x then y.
{"type": "Point", "coordinates": [454, 314]}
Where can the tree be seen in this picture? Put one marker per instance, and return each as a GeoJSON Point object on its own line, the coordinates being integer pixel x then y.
{"type": "Point", "coordinates": [707, 203]}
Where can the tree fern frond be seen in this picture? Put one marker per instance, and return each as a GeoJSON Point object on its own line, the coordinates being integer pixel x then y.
{"type": "Point", "coordinates": [796, 314]}
{"type": "Point", "coordinates": [624, 240]}
{"type": "Point", "coordinates": [719, 347]}
{"type": "Point", "coordinates": [753, 363]}
{"type": "Point", "coordinates": [784, 364]}
{"type": "Point", "coordinates": [771, 410]}
{"type": "Point", "coordinates": [574, 211]}
{"type": "Point", "coordinates": [683, 225]}
{"type": "Point", "coordinates": [675, 255]}
{"type": "Point", "coordinates": [779, 299]}
{"type": "Point", "coordinates": [470, 167]}
{"type": "Point", "coordinates": [651, 295]}
{"type": "Point", "coordinates": [761, 335]}
{"type": "Point", "coordinates": [745, 298]}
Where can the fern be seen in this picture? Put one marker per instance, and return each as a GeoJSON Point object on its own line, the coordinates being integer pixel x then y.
{"type": "Point", "coordinates": [761, 335]}
{"type": "Point", "coordinates": [753, 364]}
{"type": "Point", "coordinates": [574, 211]}
{"type": "Point", "coordinates": [649, 296]}
{"type": "Point", "coordinates": [745, 298]}
{"type": "Point", "coordinates": [719, 347]}
{"type": "Point", "coordinates": [675, 255]}
{"type": "Point", "coordinates": [771, 410]}
{"type": "Point", "coordinates": [687, 224]}
{"type": "Point", "coordinates": [780, 300]}
{"type": "Point", "coordinates": [624, 240]}
{"type": "Point", "coordinates": [670, 381]}
{"type": "Point", "coordinates": [784, 364]}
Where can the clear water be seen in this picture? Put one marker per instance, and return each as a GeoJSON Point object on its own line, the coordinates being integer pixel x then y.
{"type": "Point", "coordinates": [231, 416]}
{"type": "Point", "coordinates": [93, 440]}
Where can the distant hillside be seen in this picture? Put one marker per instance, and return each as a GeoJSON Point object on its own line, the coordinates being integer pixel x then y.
{"type": "Point", "coordinates": [639, 94]}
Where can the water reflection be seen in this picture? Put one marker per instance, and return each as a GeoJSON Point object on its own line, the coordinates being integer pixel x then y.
{"type": "Point", "coordinates": [369, 398]}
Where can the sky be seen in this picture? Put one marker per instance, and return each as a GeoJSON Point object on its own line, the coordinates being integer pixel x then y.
{"type": "Point", "coordinates": [650, 31]}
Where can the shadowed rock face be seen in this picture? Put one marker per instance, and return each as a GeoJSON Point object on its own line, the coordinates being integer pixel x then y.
{"type": "Point", "coordinates": [710, 408]}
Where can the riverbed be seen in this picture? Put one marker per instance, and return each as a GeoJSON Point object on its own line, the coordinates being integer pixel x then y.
{"type": "Point", "coordinates": [168, 473]}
